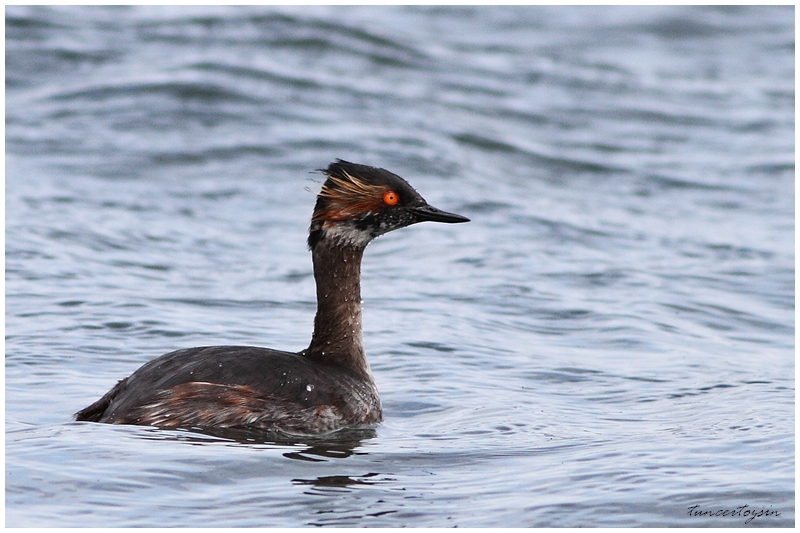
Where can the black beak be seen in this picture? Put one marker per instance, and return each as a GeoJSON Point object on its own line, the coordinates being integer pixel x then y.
{"type": "Point", "coordinates": [429, 213]}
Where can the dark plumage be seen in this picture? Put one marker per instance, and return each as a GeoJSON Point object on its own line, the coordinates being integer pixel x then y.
{"type": "Point", "coordinates": [325, 387]}
{"type": "Point", "coordinates": [238, 387]}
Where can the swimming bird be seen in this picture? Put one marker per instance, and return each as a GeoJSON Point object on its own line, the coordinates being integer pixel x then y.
{"type": "Point", "coordinates": [323, 388]}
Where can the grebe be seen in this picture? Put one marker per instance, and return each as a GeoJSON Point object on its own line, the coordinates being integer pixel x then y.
{"type": "Point", "coordinates": [323, 388]}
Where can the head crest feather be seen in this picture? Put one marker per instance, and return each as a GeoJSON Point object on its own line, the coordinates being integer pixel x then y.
{"type": "Point", "coordinates": [346, 197]}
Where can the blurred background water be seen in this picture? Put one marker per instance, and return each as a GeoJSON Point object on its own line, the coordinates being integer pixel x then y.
{"type": "Point", "coordinates": [610, 341]}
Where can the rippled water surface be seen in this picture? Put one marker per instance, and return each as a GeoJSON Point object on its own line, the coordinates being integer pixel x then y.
{"type": "Point", "coordinates": [610, 341]}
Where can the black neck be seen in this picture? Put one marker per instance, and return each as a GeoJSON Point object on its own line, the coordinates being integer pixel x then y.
{"type": "Point", "coordinates": [337, 326]}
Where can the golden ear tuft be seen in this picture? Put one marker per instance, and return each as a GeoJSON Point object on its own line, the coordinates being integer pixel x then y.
{"type": "Point", "coordinates": [348, 197]}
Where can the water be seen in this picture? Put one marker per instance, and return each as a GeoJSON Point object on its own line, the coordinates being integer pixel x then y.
{"type": "Point", "coordinates": [609, 342]}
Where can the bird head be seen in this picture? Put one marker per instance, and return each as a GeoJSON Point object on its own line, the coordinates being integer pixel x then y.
{"type": "Point", "coordinates": [358, 203]}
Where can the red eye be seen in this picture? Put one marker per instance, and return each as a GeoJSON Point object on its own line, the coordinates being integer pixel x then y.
{"type": "Point", "coordinates": [391, 198]}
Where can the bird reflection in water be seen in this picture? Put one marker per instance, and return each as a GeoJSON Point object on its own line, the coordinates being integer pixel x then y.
{"type": "Point", "coordinates": [314, 448]}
